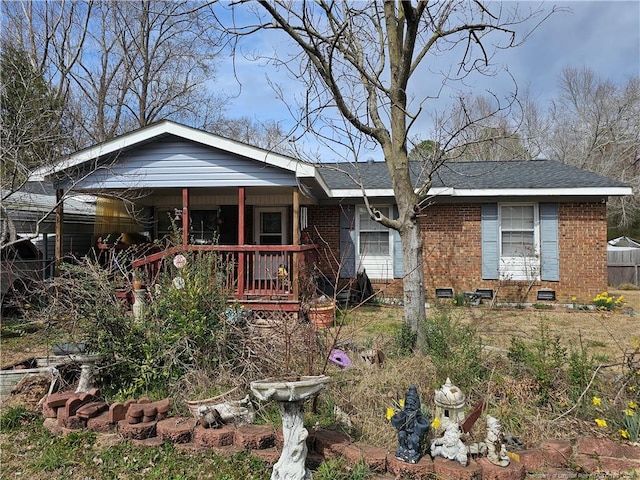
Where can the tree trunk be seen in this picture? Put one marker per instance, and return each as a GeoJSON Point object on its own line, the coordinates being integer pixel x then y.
{"type": "Point", "coordinates": [414, 288]}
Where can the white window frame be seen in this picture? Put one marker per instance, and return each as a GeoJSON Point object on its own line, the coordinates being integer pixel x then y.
{"type": "Point", "coordinates": [257, 226]}
{"type": "Point", "coordinates": [376, 266]}
{"type": "Point", "coordinates": [522, 267]}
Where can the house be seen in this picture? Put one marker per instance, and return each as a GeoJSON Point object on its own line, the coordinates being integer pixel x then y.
{"type": "Point", "coordinates": [520, 230]}
{"type": "Point", "coordinates": [32, 212]}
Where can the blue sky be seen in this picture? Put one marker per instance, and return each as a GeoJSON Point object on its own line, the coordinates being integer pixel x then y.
{"type": "Point", "coordinates": [601, 35]}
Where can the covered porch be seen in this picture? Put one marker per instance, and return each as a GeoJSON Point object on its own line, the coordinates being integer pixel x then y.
{"type": "Point", "coordinates": [186, 189]}
{"type": "Point", "coordinates": [259, 242]}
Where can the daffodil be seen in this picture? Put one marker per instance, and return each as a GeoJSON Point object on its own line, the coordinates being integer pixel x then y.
{"type": "Point", "coordinates": [401, 403]}
{"type": "Point", "coordinates": [390, 413]}
{"type": "Point", "coordinates": [624, 433]}
{"type": "Point", "coordinates": [628, 412]}
{"type": "Point", "coordinates": [436, 423]}
{"type": "Point", "coordinates": [597, 401]}
{"type": "Point", "coordinates": [601, 423]}
{"type": "Point", "coordinates": [633, 405]}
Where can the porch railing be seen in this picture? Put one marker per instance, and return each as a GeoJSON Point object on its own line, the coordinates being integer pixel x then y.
{"type": "Point", "coordinates": [255, 273]}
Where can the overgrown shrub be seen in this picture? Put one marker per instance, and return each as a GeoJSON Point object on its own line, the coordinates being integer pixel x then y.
{"type": "Point", "coordinates": [455, 348]}
{"type": "Point", "coordinates": [182, 328]}
{"type": "Point", "coordinates": [405, 339]}
{"type": "Point", "coordinates": [543, 359]}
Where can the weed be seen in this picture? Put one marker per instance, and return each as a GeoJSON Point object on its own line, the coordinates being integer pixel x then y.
{"type": "Point", "coordinates": [14, 418]}
{"type": "Point", "coordinates": [405, 339]}
{"type": "Point", "coordinates": [542, 358]}
{"type": "Point", "coordinates": [455, 348]}
{"type": "Point", "coordinates": [339, 469]}
{"type": "Point", "coordinates": [542, 306]}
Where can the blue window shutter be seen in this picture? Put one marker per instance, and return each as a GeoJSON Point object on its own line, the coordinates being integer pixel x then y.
{"type": "Point", "coordinates": [549, 252]}
{"type": "Point", "coordinates": [490, 244]}
{"type": "Point", "coordinates": [398, 264]}
{"type": "Point", "coordinates": [347, 241]}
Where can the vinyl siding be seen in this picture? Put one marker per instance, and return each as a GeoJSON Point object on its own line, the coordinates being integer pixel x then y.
{"type": "Point", "coordinates": [179, 163]}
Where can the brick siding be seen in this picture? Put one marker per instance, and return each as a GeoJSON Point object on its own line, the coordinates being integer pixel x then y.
{"type": "Point", "coordinates": [453, 253]}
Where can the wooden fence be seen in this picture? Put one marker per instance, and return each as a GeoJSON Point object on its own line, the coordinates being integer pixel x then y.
{"type": "Point", "coordinates": [623, 266]}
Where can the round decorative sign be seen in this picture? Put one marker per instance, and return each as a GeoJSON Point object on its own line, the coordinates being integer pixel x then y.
{"type": "Point", "coordinates": [179, 283]}
{"type": "Point", "coordinates": [179, 261]}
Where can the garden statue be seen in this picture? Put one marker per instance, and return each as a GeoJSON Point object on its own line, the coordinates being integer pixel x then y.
{"type": "Point", "coordinates": [449, 445]}
{"type": "Point", "coordinates": [496, 450]}
{"type": "Point", "coordinates": [412, 426]}
{"type": "Point", "coordinates": [450, 402]}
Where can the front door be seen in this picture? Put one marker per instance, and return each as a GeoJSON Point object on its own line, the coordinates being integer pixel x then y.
{"type": "Point", "coordinates": [270, 225]}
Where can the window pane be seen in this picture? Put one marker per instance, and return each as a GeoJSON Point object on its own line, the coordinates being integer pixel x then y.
{"type": "Point", "coordinates": [374, 243]}
{"type": "Point", "coordinates": [517, 244]}
{"type": "Point", "coordinates": [517, 217]}
{"type": "Point", "coordinates": [368, 224]}
{"type": "Point", "coordinates": [271, 222]}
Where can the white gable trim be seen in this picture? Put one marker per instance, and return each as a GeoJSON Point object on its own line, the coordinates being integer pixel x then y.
{"type": "Point", "coordinates": [145, 134]}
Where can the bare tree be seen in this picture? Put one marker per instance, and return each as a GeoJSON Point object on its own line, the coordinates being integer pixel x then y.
{"type": "Point", "coordinates": [488, 130]}
{"type": "Point", "coordinates": [120, 65]}
{"type": "Point", "coordinates": [363, 61]}
{"type": "Point", "coordinates": [595, 124]}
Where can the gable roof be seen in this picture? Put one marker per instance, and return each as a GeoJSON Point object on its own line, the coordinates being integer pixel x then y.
{"type": "Point", "coordinates": [166, 128]}
{"type": "Point", "coordinates": [343, 180]}
{"type": "Point", "coordinates": [508, 178]}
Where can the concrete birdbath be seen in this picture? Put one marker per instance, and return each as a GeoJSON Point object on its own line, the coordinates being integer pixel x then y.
{"type": "Point", "coordinates": [290, 393]}
{"type": "Point", "coordinates": [87, 363]}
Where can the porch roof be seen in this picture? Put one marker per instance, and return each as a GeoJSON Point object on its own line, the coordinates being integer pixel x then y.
{"type": "Point", "coordinates": [154, 132]}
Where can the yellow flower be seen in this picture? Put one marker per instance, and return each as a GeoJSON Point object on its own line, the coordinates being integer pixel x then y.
{"type": "Point", "coordinates": [596, 401]}
{"type": "Point", "coordinates": [574, 299]}
{"type": "Point", "coordinates": [436, 423]}
{"type": "Point", "coordinates": [633, 405]}
{"type": "Point", "coordinates": [631, 388]}
{"type": "Point", "coordinates": [624, 433]}
{"type": "Point", "coordinates": [401, 402]}
{"type": "Point", "coordinates": [628, 412]}
{"type": "Point", "coordinates": [601, 423]}
{"type": "Point", "coordinates": [390, 413]}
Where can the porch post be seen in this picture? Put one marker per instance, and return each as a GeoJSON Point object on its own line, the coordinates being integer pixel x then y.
{"type": "Point", "coordinates": [241, 237]}
{"type": "Point", "coordinates": [296, 241]}
{"type": "Point", "coordinates": [59, 250]}
{"type": "Point", "coordinates": [296, 217]}
{"type": "Point", "coordinates": [185, 216]}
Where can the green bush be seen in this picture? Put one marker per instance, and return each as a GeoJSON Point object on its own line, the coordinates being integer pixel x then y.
{"type": "Point", "coordinates": [543, 359]}
{"type": "Point", "coordinates": [405, 339]}
{"type": "Point", "coordinates": [182, 328]}
{"type": "Point", "coordinates": [454, 348]}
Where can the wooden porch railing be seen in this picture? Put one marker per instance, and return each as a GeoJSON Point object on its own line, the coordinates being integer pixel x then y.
{"type": "Point", "coordinates": [255, 273]}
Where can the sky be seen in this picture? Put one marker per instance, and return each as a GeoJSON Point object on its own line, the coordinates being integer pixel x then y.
{"type": "Point", "coordinates": [601, 35]}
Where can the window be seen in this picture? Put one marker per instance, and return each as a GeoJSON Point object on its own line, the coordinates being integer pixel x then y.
{"type": "Point", "coordinates": [519, 242]}
{"type": "Point", "coordinates": [374, 237]}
